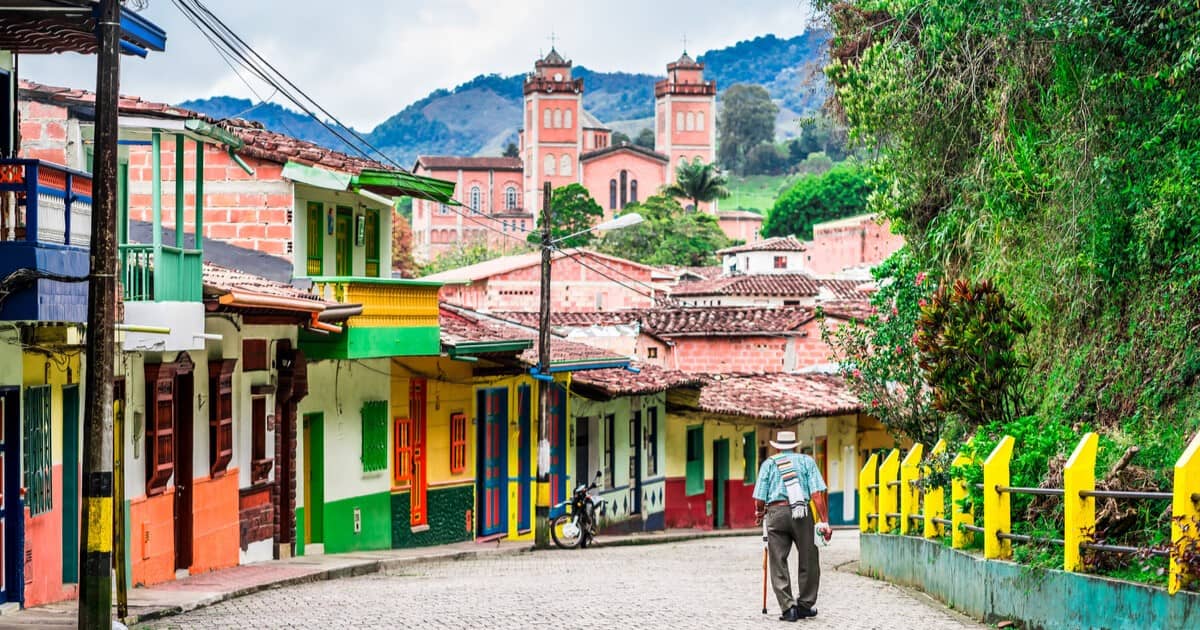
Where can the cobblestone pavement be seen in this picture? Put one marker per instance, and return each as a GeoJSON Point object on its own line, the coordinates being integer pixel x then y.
{"type": "Point", "coordinates": [710, 583]}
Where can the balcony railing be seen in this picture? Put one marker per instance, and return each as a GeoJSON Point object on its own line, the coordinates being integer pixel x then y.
{"type": "Point", "coordinates": [386, 302]}
{"type": "Point", "coordinates": [44, 203]}
{"type": "Point", "coordinates": [162, 274]}
{"type": "Point", "coordinates": [708, 88]}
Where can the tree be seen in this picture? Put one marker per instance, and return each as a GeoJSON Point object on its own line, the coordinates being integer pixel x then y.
{"type": "Point", "coordinates": [619, 138]}
{"type": "Point", "coordinates": [645, 138]}
{"type": "Point", "coordinates": [574, 211]}
{"type": "Point", "coordinates": [698, 182]}
{"type": "Point", "coordinates": [511, 150]}
{"type": "Point", "coordinates": [465, 254]}
{"type": "Point", "coordinates": [668, 235]}
{"type": "Point", "coordinates": [765, 159]}
{"type": "Point", "coordinates": [402, 258]}
{"type": "Point", "coordinates": [747, 120]}
{"type": "Point", "coordinates": [841, 192]}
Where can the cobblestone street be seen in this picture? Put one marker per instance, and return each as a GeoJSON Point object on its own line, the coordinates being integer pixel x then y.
{"type": "Point", "coordinates": [710, 583]}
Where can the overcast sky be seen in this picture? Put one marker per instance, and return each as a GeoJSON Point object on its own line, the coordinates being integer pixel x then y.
{"type": "Point", "coordinates": [367, 59]}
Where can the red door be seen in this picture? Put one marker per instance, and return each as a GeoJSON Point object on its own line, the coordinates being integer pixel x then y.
{"type": "Point", "coordinates": [416, 411]}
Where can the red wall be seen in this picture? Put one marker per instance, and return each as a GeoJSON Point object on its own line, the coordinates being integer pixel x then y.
{"type": "Point", "coordinates": [43, 539]}
{"type": "Point", "coordinates": [864, 243]}
{"type": "Point", "coordinates": [573, 288]}
{"type": "Point", "coordinates": [215, 522]}
{"type": "Point", "coordinates": [690, 512]}
{"type": "Point", "coordinates": [43, 132]}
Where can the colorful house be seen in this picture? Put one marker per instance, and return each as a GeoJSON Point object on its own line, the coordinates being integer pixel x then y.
{"type": "Point", "coordinates": [717, 436]}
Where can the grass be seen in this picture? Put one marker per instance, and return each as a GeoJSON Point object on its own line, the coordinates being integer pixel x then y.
{"type": "Point", "coordinates": [756, 192]}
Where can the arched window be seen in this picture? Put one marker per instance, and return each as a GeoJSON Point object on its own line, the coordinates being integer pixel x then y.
{"type": "Point", "coordinates": [549, 162]}
{"type": "Point", "coordinates": [567, 119]}
{"type": "Point", "coordinates": [476, 195]}
{"type": "Point", "coordinates": [691, 121]}
{"type": "Point", "coordinates": [510, 198]}
{"type": "Point", "coordinates": [699, 121]}
{"type": "Point", "coordinates": [633, 191]}
{"type": "Point", "coordinates": [612, 194]}
{"type": "Point", "coordinates": [678, 121]}
{"type": "Point", "coordinates": [546, 114]}
{"type": "Point", "coordinates": [565, 165]}
{"type": "Point", "coordinates": [624, 188]}
{"type": "Point", "coordinates": [558, 121]}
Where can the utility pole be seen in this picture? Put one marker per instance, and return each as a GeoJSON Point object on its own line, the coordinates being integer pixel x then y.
{"type": "Point", "coordinates": [95, 550]}
{"type": "Point", "coordinates": [541, 530]}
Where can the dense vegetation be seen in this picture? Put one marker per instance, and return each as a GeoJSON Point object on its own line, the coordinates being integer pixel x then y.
{"type": "Point", "coordinates": [840, 192]}
{"type": "Point", "coordinates": [1052, 148]}
{"type": "Point", "coordinates": [669, 235]}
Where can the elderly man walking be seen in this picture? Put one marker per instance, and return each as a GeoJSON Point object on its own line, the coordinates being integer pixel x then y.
{"type": "Point", "coordinates": [787, 483]}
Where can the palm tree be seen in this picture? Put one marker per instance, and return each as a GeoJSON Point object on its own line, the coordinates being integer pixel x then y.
{"type": "Point", "coordinates": [698, 182]}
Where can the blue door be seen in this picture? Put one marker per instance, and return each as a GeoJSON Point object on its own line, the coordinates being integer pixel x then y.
{"type": "Point", "coordinates": [524, 478]}
{"type": "Point", "coordinates": [492, 480]}
{"type": "Point", "coordinates": [11, 523]}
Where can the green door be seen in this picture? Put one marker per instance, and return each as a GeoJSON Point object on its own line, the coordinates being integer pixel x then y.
{"type": "Point", "coordinates": [314, 478]}
{"type": "Point", "coordinates": [344, 237]}
{"type": "Point", "coordinates": [720, 480]}
{"type": "Point", "coordinates": [70, 484]}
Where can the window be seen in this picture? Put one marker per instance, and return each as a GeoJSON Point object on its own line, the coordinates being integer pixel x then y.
{"type": "Point", "coordinates": [610, 451]}
{"type": "Point", "coordinates": [254, 355]}
{"type": "Point", "coordinates": [558, 119]}
{"type": "Point", "coordinates": [652, 353]}
{"type": "Point", "coordinates": [315, 251]}
{"type": "Point", "coordinates": [624, 188]}
{"type": "Point", "coordinates": [652, 442]}
{"type": "Point", "coordinates": [476, 196]}
{"type": "Point", "coordinates": [567, 118]}
{"type": "Point", "coordinates": [374, 435]}
{"type": "Point", "coordinates": [39, 471]}
{"type": "Point", "coordinates": [442, 209]}
{"type": "Point", "coordinates": [695, 460]}
{"type": "Point", "coordinates": [458, 443]}
{"type": "Point", "coordinates": [546, 117]}
{"type": "Point", "coordinates": [699, 121]}
{"type": "Point", "coordinates": [781, 262]}
{"type": "Point", "coordinates": [678, 121]}
{"type": "Point", "coordinates": [565, 165]}
{"type": "Point", "coordinates": [260, 464]}
{"type": "Point", "coordinates": [160, 427]}
{"type": "Point", "coordinates": [749, 450]}
{"type": "Point", "coordinates": [633, 191]}
{"type": "Point", "coordinates": [220, 413]}
{"type": "Point", "coordinates": [510, 198]}
{"type": "Point", "coordinates": [506, 225]}
{"type": "Point", "coordinates": [691, 121]}
{"type": "Point", "coordinates": [371, 236]}
{"type": "Point", "coordinates": [549, 164]}
{"type": "Point", "coordinates": [612, 194]}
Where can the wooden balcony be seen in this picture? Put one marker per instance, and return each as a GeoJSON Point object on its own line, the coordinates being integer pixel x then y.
{"type": "Point", "coordinates": [399, 318]}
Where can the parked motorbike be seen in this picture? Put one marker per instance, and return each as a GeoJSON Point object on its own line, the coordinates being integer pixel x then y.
{"type": "Point", "coordinates": [576, 527]}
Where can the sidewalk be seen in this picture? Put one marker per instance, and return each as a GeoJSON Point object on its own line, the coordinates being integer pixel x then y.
{"type": "Point", "coordinates": [206, 589]}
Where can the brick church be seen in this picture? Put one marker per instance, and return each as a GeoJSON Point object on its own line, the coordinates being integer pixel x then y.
{"type": "Point", "coordinates": [562, 143]}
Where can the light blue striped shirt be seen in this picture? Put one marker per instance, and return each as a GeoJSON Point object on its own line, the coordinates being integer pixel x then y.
{"type": "Point", "coordinates": [769, 487]}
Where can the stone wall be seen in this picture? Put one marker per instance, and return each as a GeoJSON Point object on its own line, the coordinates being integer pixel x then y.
{"type": "Point", "coordinates": [451, 518]}
{"type": "Point", "coordinates": [256, 514]}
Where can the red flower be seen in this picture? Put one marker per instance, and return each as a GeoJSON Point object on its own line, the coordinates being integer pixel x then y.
{"type": "Point", "coordinates": [921, 302]}
{"type": "Point", "coordinates": [920, 278]}
{"type": "Point", "coordinates": [857, 374]}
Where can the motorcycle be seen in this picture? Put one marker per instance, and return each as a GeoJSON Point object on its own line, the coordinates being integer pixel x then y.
{"type": "Point", "coordinates": [576, 526]}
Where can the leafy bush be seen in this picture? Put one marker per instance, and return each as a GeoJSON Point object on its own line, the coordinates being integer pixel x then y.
{"type": "Point", "coordinates": [841, 192]}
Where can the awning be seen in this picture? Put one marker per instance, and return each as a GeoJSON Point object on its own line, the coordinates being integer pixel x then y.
{"type": "Point", "coordinates": [57, 26]}
{"type": "Point", "coordinates": [378, 182]}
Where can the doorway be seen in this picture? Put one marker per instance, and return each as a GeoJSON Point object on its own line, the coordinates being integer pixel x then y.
{"type": "Point", "coordinates": [70, 532]}
{"type": "Point", "coordinates": [418, 508]}
{"type": "Point", "coordinates": [524, 473]}
{"type": "Point", "coordinates": [720, 479]}
{"type": "Point", "coordinates": [635, 463]}
{"type": "Point", "coordinates": [12, 521]}
{"type": "Point", "coordinates": [492, 405]}
{"type": "Point", "coordinates": [583, 454]}
{"type": "Point", "coordinates": [314, 480]}
{"type": "Point", "coordinates": [183, 401]}
{"type": "Point", "coordinates": [343, 237]}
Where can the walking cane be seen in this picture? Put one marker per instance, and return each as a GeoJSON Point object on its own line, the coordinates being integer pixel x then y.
{"type": "Point", "coordinates": [764, 610]}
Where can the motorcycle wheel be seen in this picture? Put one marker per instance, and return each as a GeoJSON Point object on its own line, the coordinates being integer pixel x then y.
{"type": "Point", "coordinates": [565, 532]}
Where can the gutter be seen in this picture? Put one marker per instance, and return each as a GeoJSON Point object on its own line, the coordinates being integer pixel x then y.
{"type": "Point", "coordinates": [340, 312]}
{"type": "Point", "coordinates": [240, 298]}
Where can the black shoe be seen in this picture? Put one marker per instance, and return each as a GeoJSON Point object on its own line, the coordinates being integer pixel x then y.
{"type": "Point", "coordinates": [804, 612]}
{"type": "Point", "coordinates": [791, 614]}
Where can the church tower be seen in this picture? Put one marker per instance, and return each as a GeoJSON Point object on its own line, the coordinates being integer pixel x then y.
{"type": "Point", "coordinates": [552, 135]}
{"type": "Point", "coordinates": [684, 121]}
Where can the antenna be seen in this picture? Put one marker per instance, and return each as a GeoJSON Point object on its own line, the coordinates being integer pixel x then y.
{"type": "Point", "coordinates": [685, 43]}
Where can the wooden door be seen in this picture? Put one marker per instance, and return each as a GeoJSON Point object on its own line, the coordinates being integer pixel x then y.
{"type": "Point", "coordinates": [344, 239]}
{"type": "Point", "coordinates": [183, 463]}
{"type": "Point", "coordinates": [720, 479]}
{"type": "Point", "coordinates": [418, 506]}
{"type": "Point", "coordinates": [524, 465]}
{"type": "Point", "coordinates": [635, 463]}
{"type": "Point", "coordinates": [70, 475]}
{"type": "Point", "coordinates": [493, 461]}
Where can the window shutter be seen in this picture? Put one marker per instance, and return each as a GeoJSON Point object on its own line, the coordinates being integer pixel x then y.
{"type": "Point", "coordinates": [160, 424]}
{"type": "Point", "coordinates": [695, 460]}
{"type": "Point", "coordinates": [220, 418]}
{"type": "Point", "coordinates": [402, 473]}
{"type": "Point", "coordinates": [374, 435]}
{"type": "Point", "coordinates": [458, 443]}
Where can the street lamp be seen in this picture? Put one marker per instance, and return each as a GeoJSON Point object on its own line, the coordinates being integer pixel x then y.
{"type": "Point", "coordinates": [545, 381]}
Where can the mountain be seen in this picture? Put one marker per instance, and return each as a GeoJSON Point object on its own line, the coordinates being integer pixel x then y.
{"type": "Point", "coordinates": [482, 115]}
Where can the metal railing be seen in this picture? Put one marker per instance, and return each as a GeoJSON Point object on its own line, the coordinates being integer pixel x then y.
{"type": "Point", "coordinates": [893, 498]}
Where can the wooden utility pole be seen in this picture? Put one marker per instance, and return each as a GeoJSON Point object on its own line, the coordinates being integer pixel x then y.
{"type": "Point", "coordinates": [95, 550]}
{"type": "Point", "coordinates": [541, 529]}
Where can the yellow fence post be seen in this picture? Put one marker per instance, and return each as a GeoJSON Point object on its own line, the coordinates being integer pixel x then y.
{"type": "Point", "coordinates": [933, 501]}
{"type": "Point", "coordinates": [1079, 513]}
{"type": "Point", "coordinates": [960, 538]}
{"type": "Point", "coordinates": [867, 503]}
{"type": "Point", "coordinates": [889, 471]}
{"type": "Point", "coordinates": [910, 497]}
{"type": "Point", "coordinates": [997, 506]}
{"type": "Point", "coordinates": [1184, 512]}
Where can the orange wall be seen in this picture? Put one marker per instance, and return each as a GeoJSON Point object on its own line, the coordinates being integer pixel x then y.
{"type": "Point", "coordinates": [215, 522]}
{"type": "Point", "coordinates": [152, 538]}
{"type": "Point", "coordinates": [43, 535]}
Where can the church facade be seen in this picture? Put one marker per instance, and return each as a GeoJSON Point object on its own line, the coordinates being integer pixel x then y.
{"type": "Point", "coordinates": [562, 143]}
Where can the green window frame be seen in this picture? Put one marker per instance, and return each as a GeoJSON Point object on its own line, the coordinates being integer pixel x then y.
{"type": "Point", "coordinates": [39, 472]}
{"type": "Point", "coordinates": [695, 460]}
{"type": "Point", "coordinates": [371, 238]}
{"type": "Point", "coordinates": [750, 455]}
{"type": "Point", "coordinates": [315, 250]}
{"type": "Point", "coordinates": [374, 435]}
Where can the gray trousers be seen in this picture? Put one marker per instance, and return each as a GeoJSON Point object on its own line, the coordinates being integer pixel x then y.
{"type": "Point", "coordinates": [782, 532]}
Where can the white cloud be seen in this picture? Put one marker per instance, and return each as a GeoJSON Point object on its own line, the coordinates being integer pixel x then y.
{"type": "Point", "coordinates": [365, 60]}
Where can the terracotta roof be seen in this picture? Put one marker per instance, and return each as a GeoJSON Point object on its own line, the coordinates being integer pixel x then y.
{"type": "Point", "coordinates": [464, 325]}
{"type": "Point", "coordinates": [669, 322]}
{"type": "Point", "coordinates": [773, 244]}
{"type": "Point", "coordinates": [775, 285]}
{"type": "Point", "coordinates": [606, 318]}
{"type": "Point", "coordinates": [685, 61]}
{"type": "Point", "coordinates": [844, 289]}
{"type": "Point", "coordinates": [591, 155]}
{"type": "Point", "coordinates": [847, 309]}
{"type": "Point", "coordinates": [218, 279]}
{"type": "Point", "coordinates": [778, 397]}
{"type": "Point", "coordinates": [259, 142]}
{"type": "Point", "coordinates": [552, 58]}
{"type": "Point", "coordinates": [505, 264]}
{"type": "Point", "coordinates": [650, 379]}
{"type": "Point", "coordinates": [468, 163]}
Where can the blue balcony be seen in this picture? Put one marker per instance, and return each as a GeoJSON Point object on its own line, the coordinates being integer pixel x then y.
{"type": "Point", "coordinates": [45, 226]}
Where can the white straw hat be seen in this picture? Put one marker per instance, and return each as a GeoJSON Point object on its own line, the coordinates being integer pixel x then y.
{"type": "Point", "coordinates": [785, 441]}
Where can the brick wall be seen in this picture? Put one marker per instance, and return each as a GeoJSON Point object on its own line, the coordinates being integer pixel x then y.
{"type": "Point", "coordinates": [257, 515]}
{"type": "Point", "coordinates": [43, 132]}
{"type": "Point", "coordinates": [717, 353]}
{"type": "Point", "coordinates": [573, 288]}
